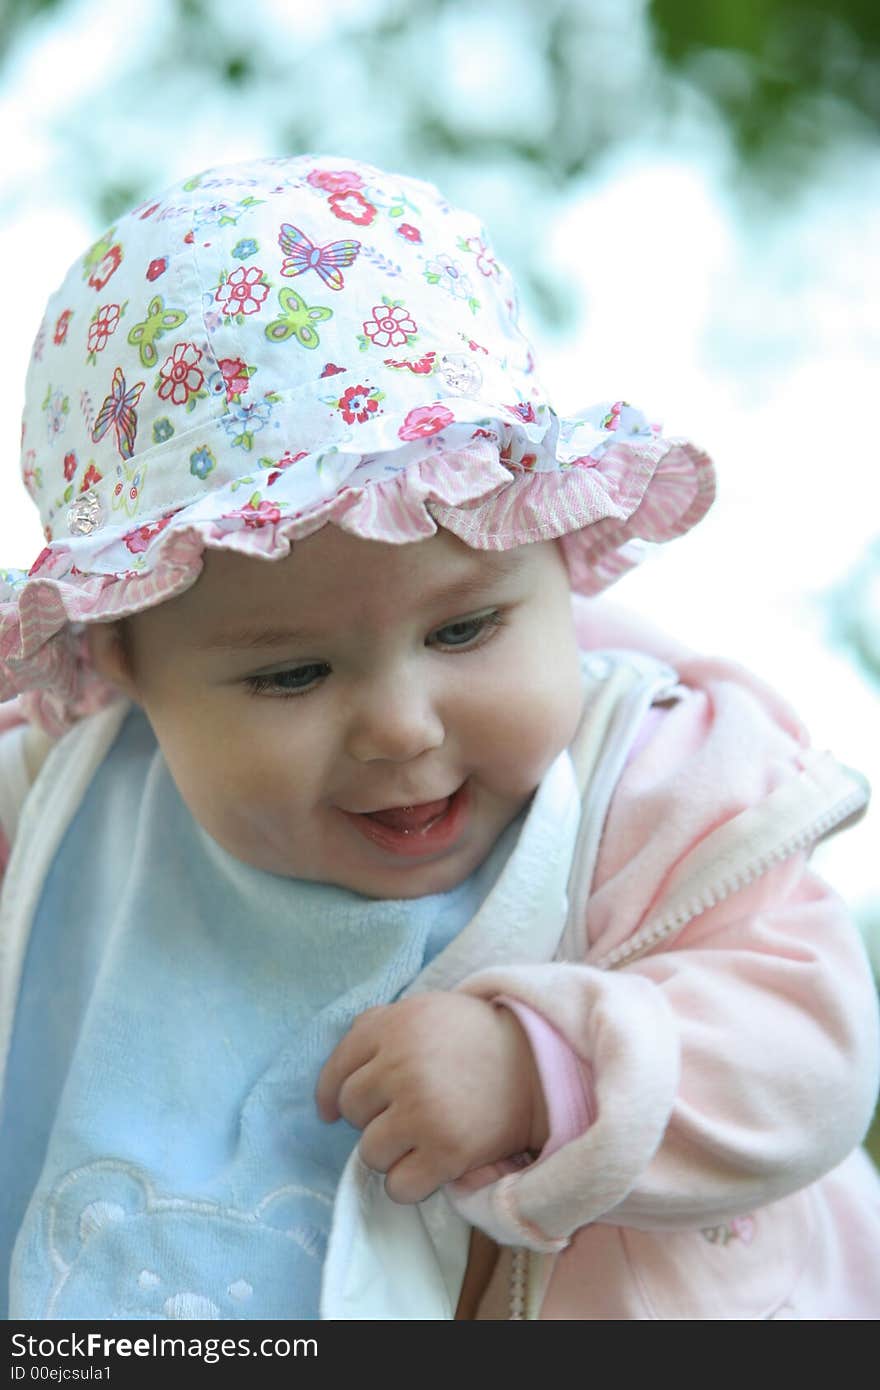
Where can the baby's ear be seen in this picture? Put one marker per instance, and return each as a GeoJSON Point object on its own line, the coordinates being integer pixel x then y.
{"type": "Point", "coordinates": [110, 654]}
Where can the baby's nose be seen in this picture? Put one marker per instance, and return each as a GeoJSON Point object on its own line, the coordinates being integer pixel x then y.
{"type": "Point", "coordinates": [396, 726]}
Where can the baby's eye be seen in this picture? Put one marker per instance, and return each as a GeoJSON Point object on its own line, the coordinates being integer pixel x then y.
{"type": "Point", "coordinates": [296, 681]}
{"type": "Point", "coordinates": [467, 632]}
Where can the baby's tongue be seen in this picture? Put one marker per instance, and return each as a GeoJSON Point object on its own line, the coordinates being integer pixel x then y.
{"type": "Point", "coordinates": [411, 817]}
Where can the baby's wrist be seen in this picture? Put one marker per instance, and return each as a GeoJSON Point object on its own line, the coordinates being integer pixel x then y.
{"type": "Point", "coordinates": [532, 1127]}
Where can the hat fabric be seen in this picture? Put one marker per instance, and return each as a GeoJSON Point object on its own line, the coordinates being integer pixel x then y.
{"type": "Point", "coordinates": [285, 342]}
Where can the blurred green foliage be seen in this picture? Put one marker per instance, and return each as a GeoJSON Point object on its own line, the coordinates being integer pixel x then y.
{"type": "Point", "coordinates": [16, 13]}
{"type": "Point", "coordinates": [779, 71]}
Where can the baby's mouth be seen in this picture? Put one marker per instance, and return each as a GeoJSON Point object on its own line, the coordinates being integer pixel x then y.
{"type": "Point", "coordinates": [411, 820]}
{"type": "Point", "coordinates": [411, 832]}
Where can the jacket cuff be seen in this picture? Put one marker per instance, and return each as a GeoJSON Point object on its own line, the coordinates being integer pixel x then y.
{"type": "Point", "coordinates": [629, 1039]}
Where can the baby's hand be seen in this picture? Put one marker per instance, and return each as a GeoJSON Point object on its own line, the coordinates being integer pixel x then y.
{"type": "Point", "coordinates": [440, 1084]}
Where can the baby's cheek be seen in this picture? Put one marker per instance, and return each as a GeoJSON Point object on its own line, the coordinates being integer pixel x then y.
{"type": "Point", "coordinates": [545, 735]}
{"type": "Point", "coordinates": [213, 773]}
{"type": "Point", "coordinates": [257, 793]}
{"type": "Point", "coordinates": [553, 691]}
{"type": "Point", "coordinates": [528, 729]}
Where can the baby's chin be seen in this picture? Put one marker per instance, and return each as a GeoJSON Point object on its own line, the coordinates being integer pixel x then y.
{"type": "Point", "coordinates": [422, 881]}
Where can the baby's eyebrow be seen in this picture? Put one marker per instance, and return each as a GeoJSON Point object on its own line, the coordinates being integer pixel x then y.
{"type": "Point", "coordinates": [254, 634]}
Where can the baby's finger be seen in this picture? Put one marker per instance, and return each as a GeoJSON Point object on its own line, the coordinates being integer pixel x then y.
{"type": "Point", "coordinates": [382, 1142]}
{"type": "Point", "coordinates": [362, 1097]}
{"type": "Point", "coordinates": [413, 1178]}
{"type": "Point", "coordinates": [356, 1049]}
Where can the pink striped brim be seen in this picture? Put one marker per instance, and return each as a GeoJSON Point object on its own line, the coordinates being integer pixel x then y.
{"type": "Point", "coordinates": [646, 490]}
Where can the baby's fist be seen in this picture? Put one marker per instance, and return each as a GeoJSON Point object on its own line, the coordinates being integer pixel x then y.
{"type": "Point", "coordinates": [440, 1084]}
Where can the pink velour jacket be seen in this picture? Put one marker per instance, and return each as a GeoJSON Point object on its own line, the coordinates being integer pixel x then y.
{"type": "Point", "coordinates": [717, 1057]}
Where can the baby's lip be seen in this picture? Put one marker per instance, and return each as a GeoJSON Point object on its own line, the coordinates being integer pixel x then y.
{"type": "Point", "coordinates": [429, 807]}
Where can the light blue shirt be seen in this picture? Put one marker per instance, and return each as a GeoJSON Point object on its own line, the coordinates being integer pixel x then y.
{"type": "Point", "coordinates": [160, 1152]}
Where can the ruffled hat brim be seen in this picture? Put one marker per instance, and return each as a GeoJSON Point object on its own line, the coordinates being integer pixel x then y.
{"type": "Point", "coordinates": [641, 488]}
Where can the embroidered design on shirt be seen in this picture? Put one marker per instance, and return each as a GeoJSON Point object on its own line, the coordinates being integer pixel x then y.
{"type": "Point", "coordinates": [740, 1228]}
{"type": "Point", "coordinates": [103, 1219]}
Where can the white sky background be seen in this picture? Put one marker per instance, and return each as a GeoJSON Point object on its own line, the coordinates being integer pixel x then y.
{"type": "Point", "coordinates": [756, 336]}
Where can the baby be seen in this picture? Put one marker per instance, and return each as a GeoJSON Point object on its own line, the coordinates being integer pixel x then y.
{"type": "Point", "coordinates": [369, 949]}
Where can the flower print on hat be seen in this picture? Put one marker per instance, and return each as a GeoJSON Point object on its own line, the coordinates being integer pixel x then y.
{"type": "Point", "coordinates": [243, 292]}
{"type": "Point", "coordinates": [245, 419]}
{"type": "Point", "coordinates": [335, 180]}
{"type": "Point", "coordinates": [338, 334]}
{"type": "Point", "coordinates": [235, 376]}
{"type": "Point", "coordinates": [352, 206]}
{"type": "Point", "coordinates": [358, 403]}
{"type": "Point", "coordinates": [202, 462]}
{"type": "Point", "coordinates": [451, 276]}
{"type": "Point", "coordinates": [425, 420]}
{"type": "Point", "coordinates": [390, 326]}
{"type": "Point", "coordinates": [180, 376]}
{"type": "Point", "coordinates": [245, 248]}
{"type": "Point", "coordinates": [102, 260]}
{"type": "Point", "coordinates": [91, 478]}
{"type": "Point", "coordinates": [61, 326]}
{"type": "Point", "coordinates": [104, 323]}
{"type": "Point", "coordinates": [57, 408]}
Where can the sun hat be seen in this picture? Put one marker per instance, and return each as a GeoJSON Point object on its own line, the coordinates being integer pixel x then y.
{"type": "Point", "coordinates": [274, 345]}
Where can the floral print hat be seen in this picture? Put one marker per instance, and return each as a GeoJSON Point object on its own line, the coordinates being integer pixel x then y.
{"type": "Point", "coordinates": [274, 345]}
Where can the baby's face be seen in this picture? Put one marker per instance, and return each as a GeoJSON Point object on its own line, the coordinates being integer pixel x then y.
{"type": "Point", "coordinates": [294, 698]}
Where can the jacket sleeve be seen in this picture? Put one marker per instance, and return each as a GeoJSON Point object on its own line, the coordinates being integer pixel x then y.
{"type": "Point", "coordinates": [730, 1065]}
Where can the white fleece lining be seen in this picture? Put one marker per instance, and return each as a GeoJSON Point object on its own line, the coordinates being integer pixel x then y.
{"type": "Point", "coordinates": [47, 812]}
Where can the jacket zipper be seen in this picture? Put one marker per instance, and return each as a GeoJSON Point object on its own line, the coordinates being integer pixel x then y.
{"type": "Point", "coordinates": [674, 922]}
{"type": "Point", "coordinates": [519, 1282]}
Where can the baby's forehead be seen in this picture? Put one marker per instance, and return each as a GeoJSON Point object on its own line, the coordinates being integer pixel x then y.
{"type": "Point", "coordinates": [333, 579]}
